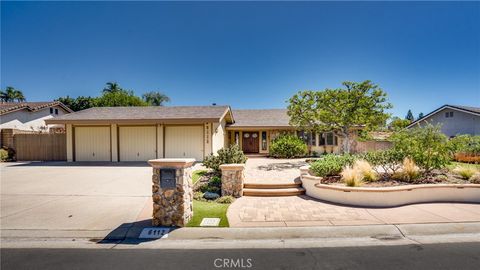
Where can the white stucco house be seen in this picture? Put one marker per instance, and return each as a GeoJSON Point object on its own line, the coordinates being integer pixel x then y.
{"type": "Point", "coordinates": [454, 119]}
{"type": "Point", "coordinates": [30, 116]}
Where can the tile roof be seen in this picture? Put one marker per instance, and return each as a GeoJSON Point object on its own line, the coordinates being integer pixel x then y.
{"type": "Point", "coordinates": [7, 107]}
{"type": "Point", "coordinates": [261, 118]}
{"type": "Point", "coordinates": [145, 113]}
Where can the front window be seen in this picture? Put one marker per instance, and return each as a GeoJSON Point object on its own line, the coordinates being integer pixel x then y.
{"type": "Point", "coordinates": [328, 138]}
{"type": "Point", "coordinates": [308, 137]}
{"type": "Point", "coordinates": [237, 138]}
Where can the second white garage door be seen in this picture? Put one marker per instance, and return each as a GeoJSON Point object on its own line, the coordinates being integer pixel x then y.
{"type": "Point", "coordinates": [137, 143]}
{"type": "Point", "coordinates": [184, 142]}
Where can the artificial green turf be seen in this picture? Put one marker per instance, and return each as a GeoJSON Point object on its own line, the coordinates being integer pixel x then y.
{"type": "Point", "coordinates": [209, 210]}
{"type": "Point", "coordinates": [197, 174]}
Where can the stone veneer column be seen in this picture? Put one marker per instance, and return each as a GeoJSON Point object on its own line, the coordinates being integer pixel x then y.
{"type": "Point", "coordinates": [172, 206]}
{"type": "Point", "coordinates": [232, 179]}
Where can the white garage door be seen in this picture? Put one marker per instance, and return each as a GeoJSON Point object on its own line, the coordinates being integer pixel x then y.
{"type": "Point", "coordinates": [92, 144]}
{"type": "Point", "coordinates": [137, 143]}
{"type": "Point", "coordinates": [184, 142]}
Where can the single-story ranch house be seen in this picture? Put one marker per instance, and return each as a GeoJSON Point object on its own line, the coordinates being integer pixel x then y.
{"type": "Point", "coordinates": [143, 133]}
{"type": "Point", "coordinates": [454, 119]}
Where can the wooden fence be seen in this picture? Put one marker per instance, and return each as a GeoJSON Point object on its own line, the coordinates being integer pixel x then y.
{"type": "Point", "coordinates": [369, 146]}
{"type": "Point", "coordinates": [40, 147]}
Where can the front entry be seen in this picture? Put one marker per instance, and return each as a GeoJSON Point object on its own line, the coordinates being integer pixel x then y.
{"type": "Point", "coordinates": [250, 142]}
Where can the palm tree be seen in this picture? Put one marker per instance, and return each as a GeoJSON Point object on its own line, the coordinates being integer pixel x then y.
{"type": "Point", "coordinates": [155, 98]}
{"type": "Point", "coordinates": [112, 87]}
{"type": "Point", "coordinates": [11, 95]}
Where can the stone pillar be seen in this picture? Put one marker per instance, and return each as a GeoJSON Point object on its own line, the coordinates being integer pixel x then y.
{"type": "Point", "coordinates": [232, 179]}
{"type": "Point", "coordinates": [172, 191]}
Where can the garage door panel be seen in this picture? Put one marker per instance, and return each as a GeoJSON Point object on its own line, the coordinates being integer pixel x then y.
{"type": "Point", "coordinates": [137, 143]}
{"type": "Point", "coordinates": [92, 144]}
{"type": "Point", "coordinates": [184, 142]}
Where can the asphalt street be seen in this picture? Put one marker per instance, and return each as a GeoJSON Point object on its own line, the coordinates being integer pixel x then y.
{"type": "Point", "coordinates": [435, 256]}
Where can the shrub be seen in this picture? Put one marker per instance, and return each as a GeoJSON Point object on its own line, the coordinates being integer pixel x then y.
{"type": "Point", "coordinates": [466, 144]}
{"type": "Point", "coordinates": [475, 179]}
{"type": "Point", "coordinates": [366, 170]}
{"type": "Point", "coordinates": [225, 199]}
{"type": "Point", "coordinates": [331, 164]}
{"type": "Point", "coordinates": [209, 188]}
{"type": "Point", "coordinates": [427, 146]}
{"type": "Point", "coordinates": [215, 181]}
{"type": "Point", "coordinates": [228, 155]}
{"type": "Point", "coordinates": [3, 155]}
{"type": "Point", "coordinates": [288, 146]}
{"type": "Point", "coordinates": [465, 172]}
{"type": "Point", "coordinates": [388, 160]}
{"type": "Point", "coordinates": [352, 177]}
{"type": "Point", "coordinates": [198, 196]}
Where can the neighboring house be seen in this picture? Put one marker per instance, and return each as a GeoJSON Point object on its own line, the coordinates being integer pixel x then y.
{"type": "Point", "coordinates": [30, 116]}
{"type": "Point", "coordinates": [143, 133]}
{"type": "Point", "coordinates": [455, 120]}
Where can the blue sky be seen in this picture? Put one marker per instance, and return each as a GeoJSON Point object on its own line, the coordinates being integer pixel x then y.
{"type": "Point", "coordinates": [247, 55]}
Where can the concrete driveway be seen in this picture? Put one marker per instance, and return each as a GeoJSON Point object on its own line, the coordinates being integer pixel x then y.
{"type": "Point", "coordinates": [58, 199]}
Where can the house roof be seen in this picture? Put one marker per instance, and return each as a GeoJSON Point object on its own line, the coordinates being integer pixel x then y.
{"type": "Point", "coordinates": [8, 107]}
{"type": "Point", "coordinates": [466, 109]}
{"type": "Point", "coordinates": [147, 114]}
{"type": "Point", "coordinates": [261, 118]}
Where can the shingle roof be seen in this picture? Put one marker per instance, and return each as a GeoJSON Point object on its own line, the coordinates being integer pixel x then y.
{"type": "Point", "coordinates": [31, 106]}
{"type": "Point", "coordinates": [261, 118]}
{"type": "Point", "coordinates": [145, 113]}
{"type": "Point", "coordinates": [468, 109]}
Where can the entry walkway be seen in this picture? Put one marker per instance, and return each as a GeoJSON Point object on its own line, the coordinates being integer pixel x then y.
{"type": "Point", "coordinates": [305, 211]}
{"type": "Point", "coordinates": [270, 170]}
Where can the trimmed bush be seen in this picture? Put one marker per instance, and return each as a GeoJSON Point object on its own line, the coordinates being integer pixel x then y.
{"type": "Point", "coordinates": [3, 155]}
{"type": "Point", "coordinates": [288, 146]}
{"type": "Point", "coordinates": [228, 155]}
{"type": "Point", "coordinates": [225, 199]}
{"type": "Point", "coordinates": [331, 164]}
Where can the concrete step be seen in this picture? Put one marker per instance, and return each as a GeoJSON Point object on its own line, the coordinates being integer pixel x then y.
{"type": "Point", "coordinates": [272, 185]}
{"type": "Point", "coordinates": [263, 192]}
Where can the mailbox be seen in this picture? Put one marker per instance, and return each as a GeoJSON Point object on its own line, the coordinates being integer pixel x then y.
{"type": "Point", "coordinates": [167, 178]}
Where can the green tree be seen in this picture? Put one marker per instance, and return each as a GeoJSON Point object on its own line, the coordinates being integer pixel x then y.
{"type": "Point", "coordinates": [420, 115]}
{"type": "Point", "coordinates": [340, 110]}
{"type": "Point", "coordinates": [119, 98]}
{"type": "Point", "coordinates": [409, 116]}
{"type": "Point", "coordinates": [112, 87]}
{"type": "Point", "coordinates": [155, 98]}
{"type": "Point", "coordinates": [12, 95]}
{"type": "Point", "coordinates": [79, 103]}
{"type": "Point", "coordinates": [398, 123]}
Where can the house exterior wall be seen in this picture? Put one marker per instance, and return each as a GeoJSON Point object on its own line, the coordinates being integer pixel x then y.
{"type": "Point", "coordinates": [27, 120]}
{"type": "Point", "coordinates": [460, 123]}
{"type": "Point", "coordinates": [218, 135]}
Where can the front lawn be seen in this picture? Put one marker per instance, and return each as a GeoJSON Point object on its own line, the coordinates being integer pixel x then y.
{"type": "Point", "coordinates": [455, 164]}
{"type": "Point", "coordinates": [209, 210]}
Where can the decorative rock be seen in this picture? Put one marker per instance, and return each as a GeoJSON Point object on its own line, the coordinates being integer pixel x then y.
{"type": "Point", "coordinates": [211, 195]}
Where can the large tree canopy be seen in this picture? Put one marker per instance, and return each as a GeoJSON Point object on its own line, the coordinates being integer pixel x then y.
{"type": "Point", "coordinates": [11, 95]}
{"type": "Point", "coordinates": [340, 110]}
{"type": "Point", "coordinates": [155, 98]}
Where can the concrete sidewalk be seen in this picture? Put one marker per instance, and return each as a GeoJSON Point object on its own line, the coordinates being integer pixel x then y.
{"type": "Point", "coordinates": [257, 238]}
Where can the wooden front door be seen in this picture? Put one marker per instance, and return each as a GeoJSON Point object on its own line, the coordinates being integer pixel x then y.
{"type": "Point", "coordinates": [250, 142]}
